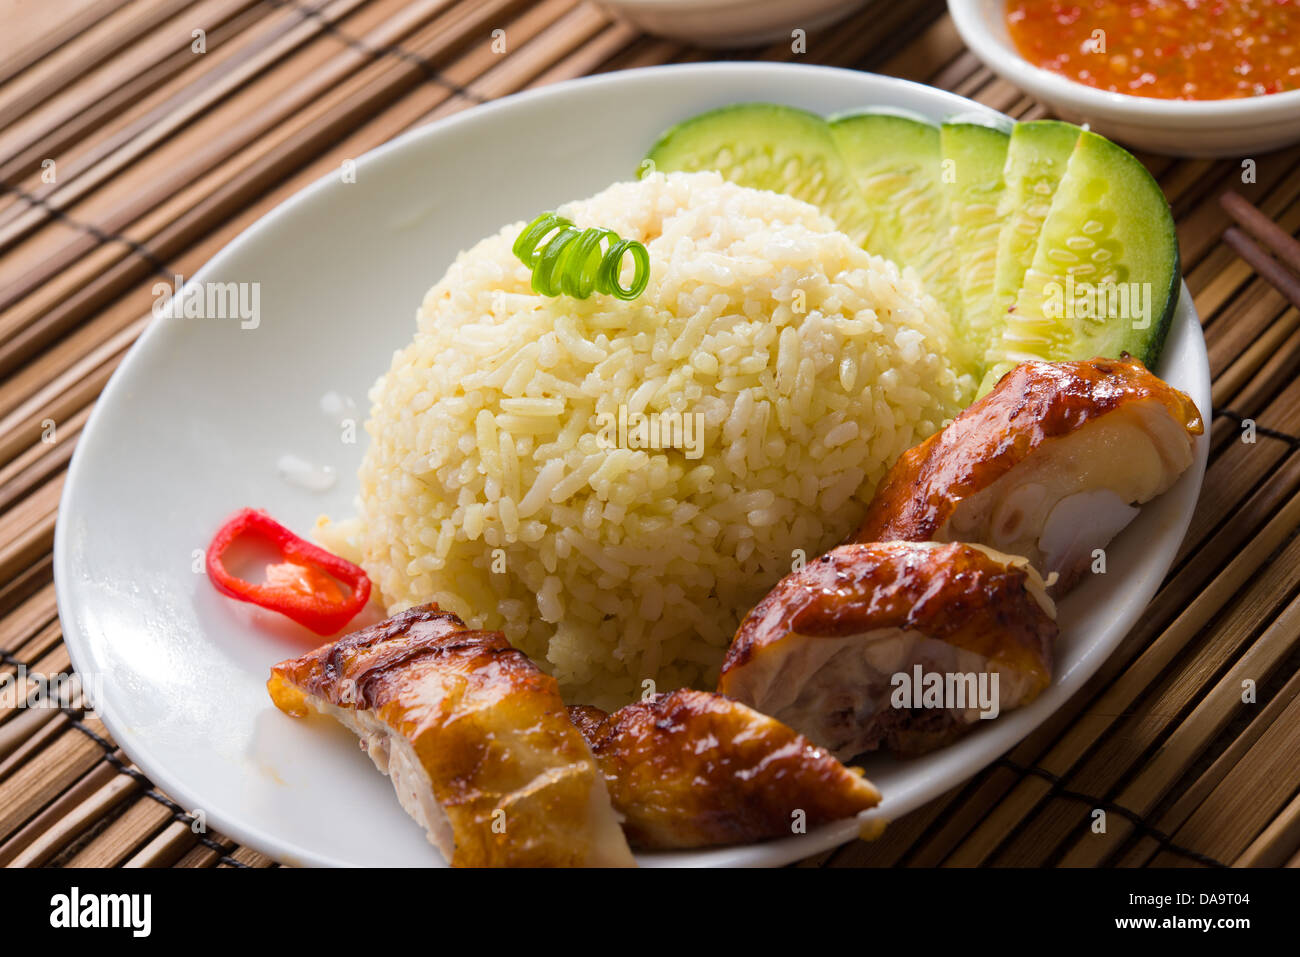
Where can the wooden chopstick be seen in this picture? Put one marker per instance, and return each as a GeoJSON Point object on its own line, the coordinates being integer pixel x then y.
{"type": "Point", "coordinates": [1264, 264]}
{"type": "Point", "coordinates": [1282, 272]}
{"type": "Point", "coordinates": [1273, 237]}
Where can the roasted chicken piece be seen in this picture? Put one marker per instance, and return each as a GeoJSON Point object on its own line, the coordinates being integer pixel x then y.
{"type": "Point", "coordinates": [694, 769]}
{"type": "Point", "coordinates": [1048, 465]}
{"type": "Point", "coordinates": [901, 645]}
{"type": "Point", "coordinates": [476, 739]}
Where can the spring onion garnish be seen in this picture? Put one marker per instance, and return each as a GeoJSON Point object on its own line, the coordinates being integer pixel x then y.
{"type": "Point", "coordinates": [572, 261]}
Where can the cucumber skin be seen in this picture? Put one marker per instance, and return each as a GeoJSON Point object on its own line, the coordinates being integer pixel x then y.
{"type": "Point", "coordinates": [973, 146]}
{"type": "Point", "coordinates": [1055, 133]}
{"type": "Point", "coordinates": [874, 142]}
{"type": "Point", "coordinates": [678, 149]}
{"type": "Point", "coordinates": [1012, 263]}
{"type": "Point", "coordinates": [1159, 331]}
{"type": "Point", "coordinates": [671, 137]}
{"type": "Point", "coordinates": [662, 154]}
{"type": "Point", "coordinates": [1106, 160]}
{"type": "Point", "coordinates": [919, 141]}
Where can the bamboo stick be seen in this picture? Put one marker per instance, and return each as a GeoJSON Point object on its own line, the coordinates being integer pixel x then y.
{"type": "Point", "coordinates": [25, 414]}
{"type": "Point", "coordinates": [589, 58]}
{"type": "Point", "coordinates": [167, 48]}
{"type": "Point", "coordinates": [40, 462]}
{"type": "Point", "coordinates": [147, 158]}
{"type": "Point", "coordinates": [165, 849]}
{"type": "Point", "coordinates": [1255, 790]}
{"type": "Point", "coordinates": [182, 127]}
{"type": "Point", "coordinates": [96, 46]}
{"type": "Point", "coordinates": [1194, 794]}
{"type": "Point", "coordinates": [937, 44]}
{"type": "Point", "coordinates": [65, 26]}
{"type": "Point", "coordinates": [45, 653]}
{"type": "Point", "coordinates": [1189, 183]}
{"type": "Point", "coordinates": [901, 837]}
{"type": "Point", "coordinates": [1273, 270]}
{"type": "Point", "coordinates": [64, 395]}
{"type": "Point", "coordinates": [94, 128]}
{"type": "Point", "coordinates": [960, 71]}
{"type": "Point", "coordinates": [1214, 708]}
{"type": "Point", "coordinates": [249, 857]}
{"type": "Point", "coordinates": [972, 82]}
{"type": "Point", "coordinates": [98, 776]}
{"type": "Point", "coordinates": [1240, 466]}
{"type": "Point", "coordinates": [203, 856]}
{"type": "Point", "coordinates": [22, 727]}
{"type": "Point", "coordinates": [1276, 191]}
{"type": "Point", "coordinates": [33, 373]}
{"type": "Point", "coordinates": [1273, 349]}
{"type": "Point", "coordinates": [135, 826]}
{"type": "Point", "coordinates": [1120, 695]}
{"type": "Point", "coordinates": [27, 619]}
{"type": "Point", "coordinates": [42, 769]}
{"type": "Point", "coordinates": [22, 332]}
{"type": "Point", "coordinates": [1277, 842]}
{"type": "Point", "coordinates": [27, 531]}
{"type": "Point", "coordinates": [1235, 328]}
{"type": "Point", "coordinates": [43, 656]}
{"type": "Point", "coordinates": [1213, 289]}
{"type": "Point", "coordinates": [646, 51]}
{"type": "Point", "coordinates": [571, 30]}
{"type": "Point", "coordinates": [75, 821]}
{"type": "Point", "coordinates": [1201, 225]}
{"type": "Point", "coordinates": [29, 582]}
{"type": "Point", "coordinates": [1260, 228]}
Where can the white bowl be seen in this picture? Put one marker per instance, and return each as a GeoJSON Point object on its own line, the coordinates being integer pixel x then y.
{"type": "Point", "coordinates": [193, 422]}
{"type": "Point", "coordinates": [1238, 128]}
{"type": "Point", "coordinates": [730, 23]}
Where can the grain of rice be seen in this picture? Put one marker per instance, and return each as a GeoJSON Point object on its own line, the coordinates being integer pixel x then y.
{"type": "Point", "coordinates": [630, 564]}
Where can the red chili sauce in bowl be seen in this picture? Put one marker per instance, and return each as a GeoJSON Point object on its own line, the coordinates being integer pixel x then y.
{"type": "Point", "coordinates": [1170, 49]}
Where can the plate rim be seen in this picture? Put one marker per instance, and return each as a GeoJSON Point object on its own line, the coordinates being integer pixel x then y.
{"type": "Point", "coordinates": [770, 853]}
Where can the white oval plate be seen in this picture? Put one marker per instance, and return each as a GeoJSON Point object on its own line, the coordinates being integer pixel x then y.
{"type": "Point", "coordinates": [193, 423]}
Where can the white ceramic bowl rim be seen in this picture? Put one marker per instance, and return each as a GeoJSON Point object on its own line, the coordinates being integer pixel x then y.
{"type": "Point", "coordinates": [990, 47]}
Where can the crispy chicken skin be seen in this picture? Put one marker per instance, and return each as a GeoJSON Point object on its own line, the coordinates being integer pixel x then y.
{"type": "Point", "coordinates": [820, 652]}
{"type": "Point", "coordinates": [1048, 465]}
{"type": "Point", "coordinates": [695, 769]}
{"type": "Point", "coordinates": [587, 718]}
{"type": "Point", "coordinates": [476, 739]}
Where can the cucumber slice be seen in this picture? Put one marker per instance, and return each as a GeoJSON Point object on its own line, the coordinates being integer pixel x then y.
{"type": "Point", "coordinates": [1037, 155]}
{"type": "Point", "coordinates": [896, 161]}
{"type": "Point", "coordinates": [766, 146]}
{"type": "Point", "coordinates": [1105, 277]}
{"type": "Point", "coordinates": [974, 156]}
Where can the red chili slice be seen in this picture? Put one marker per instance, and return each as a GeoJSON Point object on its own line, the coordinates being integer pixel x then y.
{"type": "Point", "coordinates": [304, 587]}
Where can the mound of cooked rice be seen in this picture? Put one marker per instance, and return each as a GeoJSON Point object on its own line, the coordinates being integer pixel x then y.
{"type": "Point", "coordinates": [504, 480]}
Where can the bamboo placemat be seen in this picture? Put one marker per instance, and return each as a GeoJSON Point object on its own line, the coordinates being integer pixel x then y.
{"type": "Point", "coordinates": [125, 154]}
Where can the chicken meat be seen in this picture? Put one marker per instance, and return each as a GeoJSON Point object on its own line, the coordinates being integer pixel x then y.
{"type": "Point", "coordinates": [1050, 465]}
{"type": "Point", "coordinates": [900, 645]}
{"type": "Point", "coordinates": [695, 769]}
{"type": "Point", "coordinates": [475, 737]}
